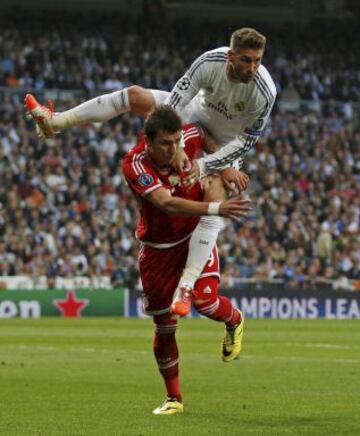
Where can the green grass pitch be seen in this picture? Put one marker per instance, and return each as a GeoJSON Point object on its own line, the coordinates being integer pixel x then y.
{"type": "Point", "coordinates": [92, 376]}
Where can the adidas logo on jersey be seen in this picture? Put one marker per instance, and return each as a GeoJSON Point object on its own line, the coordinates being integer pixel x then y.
{"type": "Point", "coordinates": [207, 290]}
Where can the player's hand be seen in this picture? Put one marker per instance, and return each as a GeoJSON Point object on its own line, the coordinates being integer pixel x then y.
{"type": "Point", "coordinates": [235, 208]}
{"type": "Point", "coordinates": [180, 161]}
{"type": "Point", "coordinates": [192, 176]}
{"type": "Point", "coordinates": [233, 179]}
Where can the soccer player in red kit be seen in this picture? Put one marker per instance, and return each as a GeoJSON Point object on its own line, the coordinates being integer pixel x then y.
{"type": "Point", "coordinates": [169, 212]}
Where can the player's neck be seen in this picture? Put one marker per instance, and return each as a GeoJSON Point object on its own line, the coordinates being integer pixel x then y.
{"type": "Point", "coordinates": [163, 168]}
{"type": "Point", "coordinates": [230, 76]}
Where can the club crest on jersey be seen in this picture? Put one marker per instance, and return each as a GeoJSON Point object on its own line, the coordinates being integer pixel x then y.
{"type": "Point", "coordinates": [145, 179]}
{"type": "Point", "coordinates": [184, 84]}
{"type": "Point", "coordinates": [240, 106]}
{"type": "Point", "coordinates": [174, 180]}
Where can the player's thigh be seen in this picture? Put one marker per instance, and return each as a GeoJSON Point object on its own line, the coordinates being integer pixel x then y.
{"type": "Point", "coordinates": [214, 189]}
{"type": "Point", "coordinates": [160, 272]}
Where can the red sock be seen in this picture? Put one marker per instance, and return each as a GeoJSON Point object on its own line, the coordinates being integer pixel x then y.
{"type": "Point", "coordinates": [220, 310]}
{"type": "Point", "coordinates": [166, 354]}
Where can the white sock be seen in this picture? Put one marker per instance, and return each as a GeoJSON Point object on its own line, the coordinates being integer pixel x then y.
{"type": "Point", "coordinates": [98, 109]}
{"type": "Point", "coordinates": [201, 244]}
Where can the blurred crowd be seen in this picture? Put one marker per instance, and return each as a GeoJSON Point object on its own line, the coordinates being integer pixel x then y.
{"type": "Point", "coordinates": [103, 53]}
{"type": "Point", "coordinates": [305, 177]}
{"type": "Point", "coordinates": [65, 209]}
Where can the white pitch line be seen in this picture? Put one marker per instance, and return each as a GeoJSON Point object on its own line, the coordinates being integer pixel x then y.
{"type": "Point", "coordinates": [298, 359]}
{"type": "Point", "coordinates": [32, 347]}
{"type": "Point", "coordinates": [329, 346]}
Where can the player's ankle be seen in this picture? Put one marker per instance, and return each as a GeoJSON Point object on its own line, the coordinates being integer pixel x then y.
{"type": "Point", "coordinates": [235, 319]}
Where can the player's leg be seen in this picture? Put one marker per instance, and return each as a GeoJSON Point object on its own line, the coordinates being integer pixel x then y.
{"type": "Point", "coordinates": [99, 109]}
{"type": "Point", "coordinates": [166, 355]}
{"type": "Point", "coordinates": [219, 308]}
{"type": "Point", "coordinates": [201, 244]}
{"type": "Point", "coordinates": [160, 270]}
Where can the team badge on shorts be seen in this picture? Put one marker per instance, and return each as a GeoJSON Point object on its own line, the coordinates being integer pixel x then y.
{"type": "Point", "coordinates": [145, 179]}
{"type": "Point", "coordinates": [184, 84]}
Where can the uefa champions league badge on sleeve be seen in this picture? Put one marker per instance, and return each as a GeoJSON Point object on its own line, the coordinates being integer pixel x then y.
{"type": "Point", "coordinates": [145, 179]}
{"type": "Point", "coordinates": [184, 84]}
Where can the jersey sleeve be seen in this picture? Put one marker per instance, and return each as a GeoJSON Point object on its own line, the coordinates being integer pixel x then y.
{"type": "Point", "coordinates": [236, 149]}
{"type": "Point", "coordinates": [140, 175]}
{"type": "Point", "coordinates": [195, 78]}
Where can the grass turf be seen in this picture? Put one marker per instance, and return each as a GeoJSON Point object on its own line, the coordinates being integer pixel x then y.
{"type": "Point", "coordinates": [98, 377]}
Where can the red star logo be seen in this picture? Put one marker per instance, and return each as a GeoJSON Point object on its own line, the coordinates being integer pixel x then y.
{"type": "Point", "coordinates": [71, 307]}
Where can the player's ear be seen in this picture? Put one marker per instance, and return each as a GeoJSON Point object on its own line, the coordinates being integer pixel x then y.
{"type": "Point", "coordinates": [230, 55]}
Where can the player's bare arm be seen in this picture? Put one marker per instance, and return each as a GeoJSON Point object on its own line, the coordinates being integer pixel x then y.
{"type": "Point", "coordinates": [234, 208]}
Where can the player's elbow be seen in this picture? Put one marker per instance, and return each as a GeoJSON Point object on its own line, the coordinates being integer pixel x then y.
{"type": "Point", "coordinates": [211, 146]}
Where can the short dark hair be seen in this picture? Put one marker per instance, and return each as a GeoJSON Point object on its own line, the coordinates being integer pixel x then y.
{"type": "Point", "coordinates": [247, 37]}
{"type": "Point", "coordinates": [163, 117]}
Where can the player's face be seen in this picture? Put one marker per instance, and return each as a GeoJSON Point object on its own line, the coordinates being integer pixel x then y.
{"type": "Point", "coordinates": [162, 150]}
{"type": "Point", "coordinates": [243, 65]}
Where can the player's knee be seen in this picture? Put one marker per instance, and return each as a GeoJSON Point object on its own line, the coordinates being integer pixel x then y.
{"type": "Point", "coordinates": [135, 92]}
{"type": "Point", "coordinates": [165, 319]}
{"type": "Point", "coordinates": [141, 100]}
{"type": "Point", "coordinates": [165, 330]}
{"type": "Point", "coordinates": [165, 324]}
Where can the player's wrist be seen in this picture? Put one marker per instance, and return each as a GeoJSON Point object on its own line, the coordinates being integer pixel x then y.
{"type": "Point", "coordinates": [214, 208]}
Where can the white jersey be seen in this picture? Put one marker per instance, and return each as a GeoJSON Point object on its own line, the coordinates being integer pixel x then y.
{"type": "Point", "coordinates": [234, 113]}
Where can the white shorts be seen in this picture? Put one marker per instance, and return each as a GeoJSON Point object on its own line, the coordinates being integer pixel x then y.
{"type": "Point", "coordinates": [186, 114]}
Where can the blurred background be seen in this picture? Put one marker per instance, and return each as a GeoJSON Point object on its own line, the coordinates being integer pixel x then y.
{"type": "Point", "coordinates": [67, 218]}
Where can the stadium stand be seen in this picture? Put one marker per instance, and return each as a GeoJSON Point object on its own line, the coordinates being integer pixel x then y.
{"type": "Point", "coordinates": [64, 207]}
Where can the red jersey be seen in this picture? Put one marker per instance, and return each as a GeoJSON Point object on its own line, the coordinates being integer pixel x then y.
{"type": "Point", "coordinates": [143, 177]}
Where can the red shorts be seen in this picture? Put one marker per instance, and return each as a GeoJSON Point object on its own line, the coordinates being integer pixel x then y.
{"type": "Point", "coordinates": [160, 272]}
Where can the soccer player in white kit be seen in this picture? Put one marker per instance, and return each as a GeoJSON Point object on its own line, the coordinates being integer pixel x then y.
{"type": "Point", "coordinates": [227, 90]}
